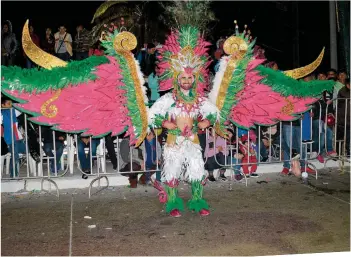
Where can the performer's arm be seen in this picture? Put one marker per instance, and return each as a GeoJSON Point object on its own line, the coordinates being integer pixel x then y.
{"type": "Point", "coordinates": [158, 113]}
{"type": "Point", "coordinates": [210, 114]}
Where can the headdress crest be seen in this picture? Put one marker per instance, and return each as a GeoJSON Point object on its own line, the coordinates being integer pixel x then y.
{"type": "Point", "coordinates": [184, 50]}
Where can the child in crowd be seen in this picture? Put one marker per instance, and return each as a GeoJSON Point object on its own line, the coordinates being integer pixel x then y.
{"type": "Point", "coordinates": [247, 148]}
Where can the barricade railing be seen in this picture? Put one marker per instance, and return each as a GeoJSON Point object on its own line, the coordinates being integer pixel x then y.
{"type": "Point", "coordinates": [45, 166]}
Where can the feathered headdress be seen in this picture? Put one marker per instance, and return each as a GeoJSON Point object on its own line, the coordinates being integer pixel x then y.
{"type": "Point", "coordinates": [184, 50]}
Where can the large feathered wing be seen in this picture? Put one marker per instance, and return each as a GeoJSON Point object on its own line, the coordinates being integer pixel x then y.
{"type": "Point", "coordinates": [96, 96]}
{"type": "Point", "coordinates": [249, 94]}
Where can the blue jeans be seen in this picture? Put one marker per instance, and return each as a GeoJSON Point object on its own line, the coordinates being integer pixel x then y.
{"type": "Point", "coordinates": [236, 165]}
{"type": "Point", "coordinates": [48, 148]}
{"type": "Point", "coordinates": [295, 144]}
{"type": "Point", "coordinates": [321, 138]}
{"type": "Point", "coordinates": [84, 159]}
{"type": "Point", "coordinates": [306, 126]}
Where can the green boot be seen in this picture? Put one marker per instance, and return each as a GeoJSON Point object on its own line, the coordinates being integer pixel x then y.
{"type": "Point", "coordinates": [197, 203]}
{"type": "Point", "coordinates": [174, 203]}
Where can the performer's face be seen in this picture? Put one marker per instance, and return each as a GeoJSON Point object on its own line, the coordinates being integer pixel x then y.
{"type": "Point", "coordinates": [186, 80]}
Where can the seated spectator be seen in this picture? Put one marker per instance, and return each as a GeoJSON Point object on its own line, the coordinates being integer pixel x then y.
{"type": "Point", "coordinates": [215, 157]}
{"type": "Point", "coordinates": [269, 135]}
{"type": "Point", "coordinates": [344, 111]}
{"type": "Point", "coordinates": [83, 146]}
{"type": "Point", "coordinates": [137, 163]}
{"type": "Point", "coordinates": [47, 135]}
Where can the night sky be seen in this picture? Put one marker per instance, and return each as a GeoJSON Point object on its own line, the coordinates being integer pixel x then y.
{"type": "Point", "coordinates": [273, 27]}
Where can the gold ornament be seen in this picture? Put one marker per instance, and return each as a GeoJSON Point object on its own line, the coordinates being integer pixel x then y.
{"type": "Point", "coordinates": [138, 92]}
{"type": "Point", "coordinates": [125, 41]}
{"type": "Point", "coordinates": [308, 69]}
{"type": "Point", "coordinates": [235, 45]}
{"type": "Point", "coordinates": [288, 109]}
{"type": "Point", "coordinates": [37, 55]}
{"type": "Point", "coordinates": [50, 111]}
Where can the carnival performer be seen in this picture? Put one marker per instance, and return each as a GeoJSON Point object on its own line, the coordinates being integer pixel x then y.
{"type": "Point", "coordinates": [105, 94]}
{"type": "Point", "coordinates": [183, 68]}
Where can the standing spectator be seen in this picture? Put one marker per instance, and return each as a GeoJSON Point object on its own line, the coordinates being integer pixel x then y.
{"type": "Point", "coordinates": [82, 42]}
{"type": "Point", "coordinates": [84, 156]}
{"type": "Point", "coordinates": [320, 110]}
{"type": "Point", "coordinates": [344, 111]}
{"type": "Point", "coordinates": [291, 139]}
{"type": "Point", "coordinates": [321, 76]}
{"type": "Point", "coordinates": [147, 60]}
{"type": "Point", "coordinates": [332, 75]}
{"type": "Point", "coordinates": [47, 135]}
{"type": "Point", "coordinates": [215, 157]}
{"type": "Point", "coordinates": [9, 45]}
{"type": "Point", "coordinates": [36, 41]}
{"type": "Point", "coordinates": [63, 44]}
{"type": "Point", "coordinates": [48, 44]}
{"type": "Point", "coordinates": [152, 150]}
{"type": "Point", "coordinates": [111, 151]}
{"type": "Point", "coordinates": [12, 135]}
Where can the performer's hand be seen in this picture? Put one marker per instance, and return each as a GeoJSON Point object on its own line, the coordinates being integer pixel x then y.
{"type": "Point", "coordinates": [220, 148]}
{"type": "Point", "coordinates": [169, 125]}
{"type": "Point", "coordinates": [203, 124]}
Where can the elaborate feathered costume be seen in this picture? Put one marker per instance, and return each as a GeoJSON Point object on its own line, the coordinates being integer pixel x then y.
{"type": "Point", "coordinates": [105, 94]}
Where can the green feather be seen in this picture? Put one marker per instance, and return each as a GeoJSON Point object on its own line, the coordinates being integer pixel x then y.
{"type": "Point", "coordinates": [28, 80]}
{"type": "Point", "coordinates": [188, 36]}
{"type": "Point", "coordinates": [287, 86]}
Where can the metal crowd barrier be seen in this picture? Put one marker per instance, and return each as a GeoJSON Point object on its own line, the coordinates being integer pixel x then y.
{"type": "Point", "coordinates": [70, 162]}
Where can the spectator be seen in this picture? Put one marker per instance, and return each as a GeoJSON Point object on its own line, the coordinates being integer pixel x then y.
{"type": "Point", "coordinates": [272, 65]}
{"type": "Point", "coordinates": [4, 148]}
{"type": "Point", "coordinates": [84, 153]}
{"type": "Point", "coordinates": [342, 124]}
{"type": "Point", "coordinates": [137, 164]}
{"type": "Point", "coordinates": [147, 60]}
{"type": "Point", "coordinates": [9, 45]}
{"type": "Point", "coordinates": [36, 41]}
{"type": "Point", "coordinates": [48, 45]}
{"type": "Point", "coordinates": [321, 76]}
{"type": "Point", "coordinates": [82, 42]}
{"type": "Point", "coordinates": [291, 138]}
{"type": "Point", "coordinates": [269, 135]}
{"type": "Point", "coordinates": [342, 76]}
{"type": "Point", "coordinates": [47, 135]}
{"type": "Point", "coordinates": [63, 44]}
{"type": "Point", "coordinates": [12, 136]}
{"type": "Point", "coordinates": [247, 148]}
{"type": "Point", "coordinates": [96, 49]}
{"type": "Point", "coordinates": [332, 75]}
{"type": "Point", "coordinates": [152, 150]}
{"type": "Point", "coordinates": [320, 110]}
{"type": "Point", "coordinates": [215, 157]}
{"type": "Point", "coordinates": [111, 151]}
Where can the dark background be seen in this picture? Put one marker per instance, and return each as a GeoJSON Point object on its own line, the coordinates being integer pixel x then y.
{"type": "Point", "coordinates": [272, 22]}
